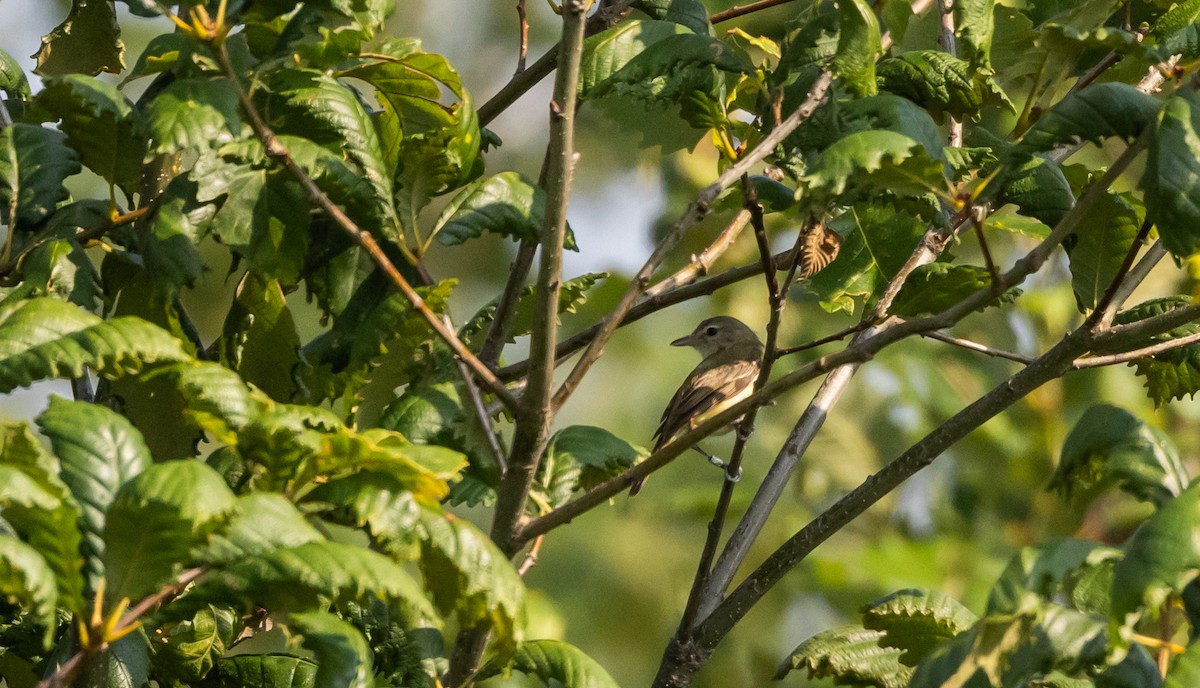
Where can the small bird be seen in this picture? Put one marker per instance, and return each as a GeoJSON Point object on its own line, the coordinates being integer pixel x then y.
{"type": "Point", "coordinates": [731, 357]}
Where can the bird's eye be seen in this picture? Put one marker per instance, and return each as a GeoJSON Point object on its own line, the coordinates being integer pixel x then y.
{"type": "Point", "coordinates": [711, 330]}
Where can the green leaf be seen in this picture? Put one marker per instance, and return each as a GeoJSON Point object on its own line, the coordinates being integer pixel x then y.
{"type": "Point", "coordinates": [156, 519]}
{"type": "Point", "coordinates": [344, 184]}
{"type": "Point", "coordinates": [859, 164]}
{"type": "Point", "coordinates": [123, 664]}
{"type": "Point", "coordinates": [858, 47]}
{"type": "Point", "coordinates": [319, 107]}
{"type": "Point", "coordinates": [98, 451]}
{"type": "Point", "coordinates": [169, 245]}
{"type": "Point", "coordinates": [46, 338]}
{"type": "Point", "coordinates": [34, 162]}
{"type": "Point", "coordinates": [343, 657]}
{"type": "Point", "coordinates": [215, 397]}
{"type": "Point", "coordinates": [1171, 183]}
{"type": "Point", "coordinates": [850, 655]}
{"type": "Point", "coordinates": [1110, 445]}
{"type": "Point", "coordinates": [1185, 670]}
{"type": "Point", "coordinates": [974, 22]}
{"type": "Point", "coordinates": [193, 647]}
{"type": "Point", "coordinates": [673, 68]}
{"type": "Point", "coordinates": [507, 204]}
{"type": "Point", "coordinates": [88, 41]}
{"type": "Point", "coordinates": [265, 219]}
{"type": "Point", "coordinates": [37, 505]}
{"type": "Point", "coordinates": [266, 671]}
{"type": "Point", "coordinates": [935, 287]}
{"type": "Point", "coordinates": [378, 502]}
{"type": "Point", "coordinates": [554, 663]}
{"type": "Point", "coordinates": [689, 13]}
{"type": "Point", "coordinates": [1098, 250]}
{"type": "Point", "coordinates": [1093, 114]}
{"type": "Point", "coordinates": [1047, 571]}
{"type": "Point", "coordinates": [425, 414]}
{"type": "Point", "coordinates": [941, 83]}
{"type": "Point", "coordinates": [305, 578]}
{"type": "Point", "coordinates": [259, 340]}
{"type": "Point", "coordinates": [1161, 558]}
{"type": "Point", "coordinates": [100, 123]}
{"type": "Point", "coordinates": [161, 54]}
{"type": "Point", "coordinates": [60, 269]}
{"type": "Point", "coordinates": [580, 456]}
{"type": "Point", "coordinates": [412, 82]}
{"type": "Point", "coordinates": [608, 51]}
{"type": "Point", "coordinates": [13, 82]}
{"type": "Point", "coordinates": [193, 115]}
{"type": "Point", "coordinates": [1171, 374]}
{"type": "Point", "coordinates": [877, 240]}
{"type": "Point", "coordinates": [467, 574]}
{"type": "Point", "coordinates": [916, 621]}
{"type": "Point", "coordinates": [1038, 189]}
{"type": "Point", "coordinates": [26, 580]}
{"type": "Point", "coordinates": [264, 522]}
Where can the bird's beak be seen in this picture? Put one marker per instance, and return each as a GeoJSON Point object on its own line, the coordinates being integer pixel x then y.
{"type": "Point", "coordinates": [683, 341]}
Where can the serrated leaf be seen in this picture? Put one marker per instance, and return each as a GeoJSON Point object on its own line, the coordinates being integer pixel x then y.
{"type": "Point", "coordinates": [88, 41]}
{"type": "Point", "coordinates": [34, 162]}
{"type": "Point", "coordinates": [267, 671]}
{"type": "Point", "coordinates": [1171, 183]}
{"type": "Point", "coordinates": [263, 522]}
{"type": "Point", "coordinates": [425, 414]}
{"type": "Point", "coordinates": [507, 204]}
{"type": "Point", "coordinates": [1171, 374]}
{"type": "Point", "coordinates": [344, 185]}
{"type": "Point", "coordinates": [123, 664]}
{"type": "Point", "coordinates": [1161, 558]}
{"type": "Point", "coordinates": [1099, 248]}
{"type": "Point", "coordinates": [553, 663]}
{"type": "Point", "coordinates": [858, 47]}
{"type": "Point", "coordinates": [259, 338]}
{"type": "Point", "coordinates": [412, 82]}
{"type": "Point", "coordinates": [1093, 114]}
{"type": "Point", "coordinates": [916, 621]}
{"type": "Point", "coordinates": [941, 83]}
{"type": "Point", "coordinates": [1047, 571]}
{"type": "Point", "coordinates": [378, 502]}
{"type": "Point", "coordinates": [191, 648]}
{"type": "Point", "coordinates": [100, 123]}
{"type": "Point", "coordinates": [608, 51]}
{"type": "Point", "coordinates": [169, 244]}
{"type": "Point", "coordinates": [468, 575]}
{"type": "Point", "coordinates": [1110, 445]}
{"type": "Point", "coordinates": [935, 287]}
{"type": "Point", "coordinates": [156, 519]}
{"type": "Point", "coordinates": [26, 580]}
{"type": "Point", "coordinates": [877, 239]}
{"type": "Point", "coordinates": [98, 451]}
{"type": "Point", "coordinates": [343, 656]}
{"type": "Point", "coordinates": [850, 655]}
{"type": "Point", "coordinates": [215, 397]}
{"type": "Point", "coordinates": [265, 219]}
{"type": "Point", "coordinates": [161, 54]}
{"type": "Point", "coordinates": [46, 338]}
{"type": "Point", "coordinates": [38, 506]}
{"type": "Point", "coordinates": [1038, 189]}
{"type": "Point", "coordinates": [672, 68]}
{"type": "Point", "coordinates": [193, 115]}
{"type": "Point", "coordinates": [689, 13]}
{"type": "Point", "coordinates": [13, 82]}
{"type": "Point", "coordinates": [974, 22]}
{"type": "Point", "coordinates": [57, 268]}
{"type": "Point", "coordinates": [580, 456]}
{"type": "Point", "coordinates": [306, 578]}
{"type": "Point", "coordinates": [861, 163]}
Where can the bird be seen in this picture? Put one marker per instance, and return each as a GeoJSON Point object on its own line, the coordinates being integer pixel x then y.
{"type": "Point", "coordinates": [731, 355]}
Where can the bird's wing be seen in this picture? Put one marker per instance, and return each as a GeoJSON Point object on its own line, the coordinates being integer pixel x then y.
{"type": "Point", "coordinates": [701, 391]}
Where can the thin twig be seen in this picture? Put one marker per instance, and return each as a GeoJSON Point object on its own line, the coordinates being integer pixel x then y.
{"type": "Point", "coordinates": [497, 335]}
{"type": "Point", "coordinates": [278, 152]}
{"type": "Point", "coordinates": [1129, 356]}
{"type": "Point", "coordinates": [693, 214]}
{"type": "Point", "coordinates": [531, 559]}
{"type": "Point", "coordinates": [1106, 308]}
{"type": "Point", "coordinates": [976, 346]}
{"type": "Point", "coordinates": [524, 37]}
{"type": "Point", "coordinates": [743, 10]}
{"type": "Point", "coordinates": [1136, 276]}
{"type": "Point", "coordinates": [835, 337]}
{"type": "Point", "coordinates": [700, 264]}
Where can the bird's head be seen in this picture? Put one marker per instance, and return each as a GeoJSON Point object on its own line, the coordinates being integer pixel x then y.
{"type": "Point", "coordinates": [719, 334]}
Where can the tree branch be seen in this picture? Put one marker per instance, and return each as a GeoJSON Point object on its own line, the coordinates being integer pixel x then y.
{"type": "Point", "coordinates": [976, 346]}
{"type": "Point", "coordinates": [1130, 356]}
{"type": "Point", "coordinates": [695, 212]}
{"type": "Point", "coordinates": [278, 152]}
{"type": "Point", "coordinates": [699, 265]}
{"type": "Point", "coordinates": [743, 10]}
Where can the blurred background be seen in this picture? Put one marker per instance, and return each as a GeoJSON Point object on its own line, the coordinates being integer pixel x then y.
{"type": "Point", "coordinates": [614, 582]}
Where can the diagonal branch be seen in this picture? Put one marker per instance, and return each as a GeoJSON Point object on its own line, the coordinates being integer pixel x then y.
{"type": "Point", "coordinates": [695, 212]}
{"type": "Point", "coordinates": [278, 152]}
{"type": "Point", "coordinates": [976, 346]}
{"type": "Point", "coordinates": [700, 264]}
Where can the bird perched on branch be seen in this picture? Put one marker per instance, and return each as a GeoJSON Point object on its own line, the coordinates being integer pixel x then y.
{"type": "Point", "coordinates": [731, 357]}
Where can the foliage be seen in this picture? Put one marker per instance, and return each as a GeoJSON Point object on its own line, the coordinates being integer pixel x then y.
{"type": "Point", "coordinates": [277, 423]}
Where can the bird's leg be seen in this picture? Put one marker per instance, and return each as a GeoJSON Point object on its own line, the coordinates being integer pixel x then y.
{"type": "Point", "coordinates": [719, 463]}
